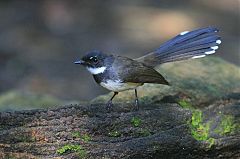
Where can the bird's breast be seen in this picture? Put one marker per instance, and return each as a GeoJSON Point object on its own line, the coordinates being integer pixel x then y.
{"type": "Point", "coordinates": [110, 80]}
{"type": "Point", "coordinates": [118, 86]}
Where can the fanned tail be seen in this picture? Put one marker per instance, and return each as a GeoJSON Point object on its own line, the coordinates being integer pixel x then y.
{"type": "Point", "coordinates": [186, 45]}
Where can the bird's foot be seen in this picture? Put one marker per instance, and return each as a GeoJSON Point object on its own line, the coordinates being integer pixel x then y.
{"type": "Point", "coordinates": [109, 105]}
{"type": "Point", "coordinates": [136, 106]}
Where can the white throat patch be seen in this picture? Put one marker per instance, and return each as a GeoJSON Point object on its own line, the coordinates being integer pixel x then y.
{"type": "Point", "coordinates": [97, 70]}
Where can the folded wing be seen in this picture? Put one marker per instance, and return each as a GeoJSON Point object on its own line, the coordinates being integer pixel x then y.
{"type": "Point", "coordinates": [136, 72]}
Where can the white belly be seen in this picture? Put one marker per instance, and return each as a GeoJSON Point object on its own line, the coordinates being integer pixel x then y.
{"type": "Point", "coordinates": [118, 86]}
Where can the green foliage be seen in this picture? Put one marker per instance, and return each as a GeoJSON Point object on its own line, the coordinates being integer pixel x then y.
{"type": "Point", "coordinates": [72, 148]}
{"type": "Point", "coordinates": [211, 142]}
{"type": "Point", "coordinates": [226, 126]}
{"type": "Point", "coordinates": [86, 137]}
{"type": "Point", "coordinates": [136, 121]}
{"type": "Point", "coordinates": [144, 132]}
{"type": "Point", "coordinates": [185, 104]}
{"type": "Point", "coordinates": [200, 130]}
{"type": "Point", "coordinates": [114, 133]}
{"type": "Point", "coordinates": [66, 148]}
{"type": "Point", "coordinates": [76, 134]}
{"type": "Point", "coordinates": [196, 118]}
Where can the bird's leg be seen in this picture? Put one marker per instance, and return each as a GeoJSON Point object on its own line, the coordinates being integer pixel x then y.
{"type": "Point", "coordinates": [109, 103]}
{"type": "Point", "coordinates": [136, 101]}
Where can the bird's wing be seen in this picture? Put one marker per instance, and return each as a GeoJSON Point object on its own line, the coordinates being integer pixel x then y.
{"type": "Point", "coordinates": [136, 72]}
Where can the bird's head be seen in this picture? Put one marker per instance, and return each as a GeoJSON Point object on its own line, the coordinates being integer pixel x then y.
{"type": "Point", "coordinates": [94, 61]}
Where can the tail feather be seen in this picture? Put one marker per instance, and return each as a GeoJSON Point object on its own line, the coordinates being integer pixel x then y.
{"type": "Point", "coordinates": [185, 36]}
{"type": "Point", "coordinates": [201, 39]}
{"type": "Point", "coordinates": [192, 54]}
{"type": "Point", "coordinates": [194, 44]}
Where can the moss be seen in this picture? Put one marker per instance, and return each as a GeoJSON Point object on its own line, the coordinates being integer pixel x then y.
{"type": "Point", "coordinates": [185, 104]}
{"type": "Point", "coordinates": [226, 125]}
{"type": "Point", "coordinates": [76, 134]}
{"type": "Point", "coordinates": [72, 148]}
{"type": "Point", "coordinates": [136, 121]}
{"type": "Point", "coordinates": [84, 137]}
{"type": "Point", "coordinates": [199, 129]}
{"type": "Point", "coordinates": [144, 132]}
{"type": "Point", "coordinates": [114, 133]}
{"type": "Point", "coordinates": [211, 142]}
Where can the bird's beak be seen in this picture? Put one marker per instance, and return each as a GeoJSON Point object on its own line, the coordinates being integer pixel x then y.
{"type": "Point", "coordinates": [81, 62]}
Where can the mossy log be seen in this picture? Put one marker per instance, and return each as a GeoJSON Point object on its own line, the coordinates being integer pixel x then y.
{"type": "Point", "coordinates": [197, 117]}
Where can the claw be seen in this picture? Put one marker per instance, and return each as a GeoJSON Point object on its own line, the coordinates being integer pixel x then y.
{"type": "Point", "coordinates": [109, 105]}
{"type": "Point", "coordinates": [136, 107]}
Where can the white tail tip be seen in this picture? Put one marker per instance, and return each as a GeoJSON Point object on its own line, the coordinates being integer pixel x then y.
{"type": "Point", "coordinates": [184, 32]}
{"type": "Point", "coordinates": [218, 41]}
{"type": "Point", "coordinates": [214, 47]}
{"type": "Point", "coordinates": [210, 52]}
{"type": "Point", "coordinates": [199, 56]}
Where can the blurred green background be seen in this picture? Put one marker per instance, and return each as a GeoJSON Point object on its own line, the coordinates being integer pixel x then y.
{"type": "Point", "coordinates": [39, 40]}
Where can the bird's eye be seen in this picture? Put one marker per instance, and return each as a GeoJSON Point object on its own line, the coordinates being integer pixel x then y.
{"type": "Point", "coordinates": [94, 59]}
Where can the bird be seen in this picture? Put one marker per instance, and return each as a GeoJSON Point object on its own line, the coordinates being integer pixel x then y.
{"type": "Point", "coordinates": [118, 73]}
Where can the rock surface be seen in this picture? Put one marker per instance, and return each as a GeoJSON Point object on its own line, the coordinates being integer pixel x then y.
{"type": "Point", "coordinates": [197, 117]}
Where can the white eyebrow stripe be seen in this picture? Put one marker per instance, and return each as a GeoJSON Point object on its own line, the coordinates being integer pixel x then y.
{"type": "Point", "coordinates": [97, 70]}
